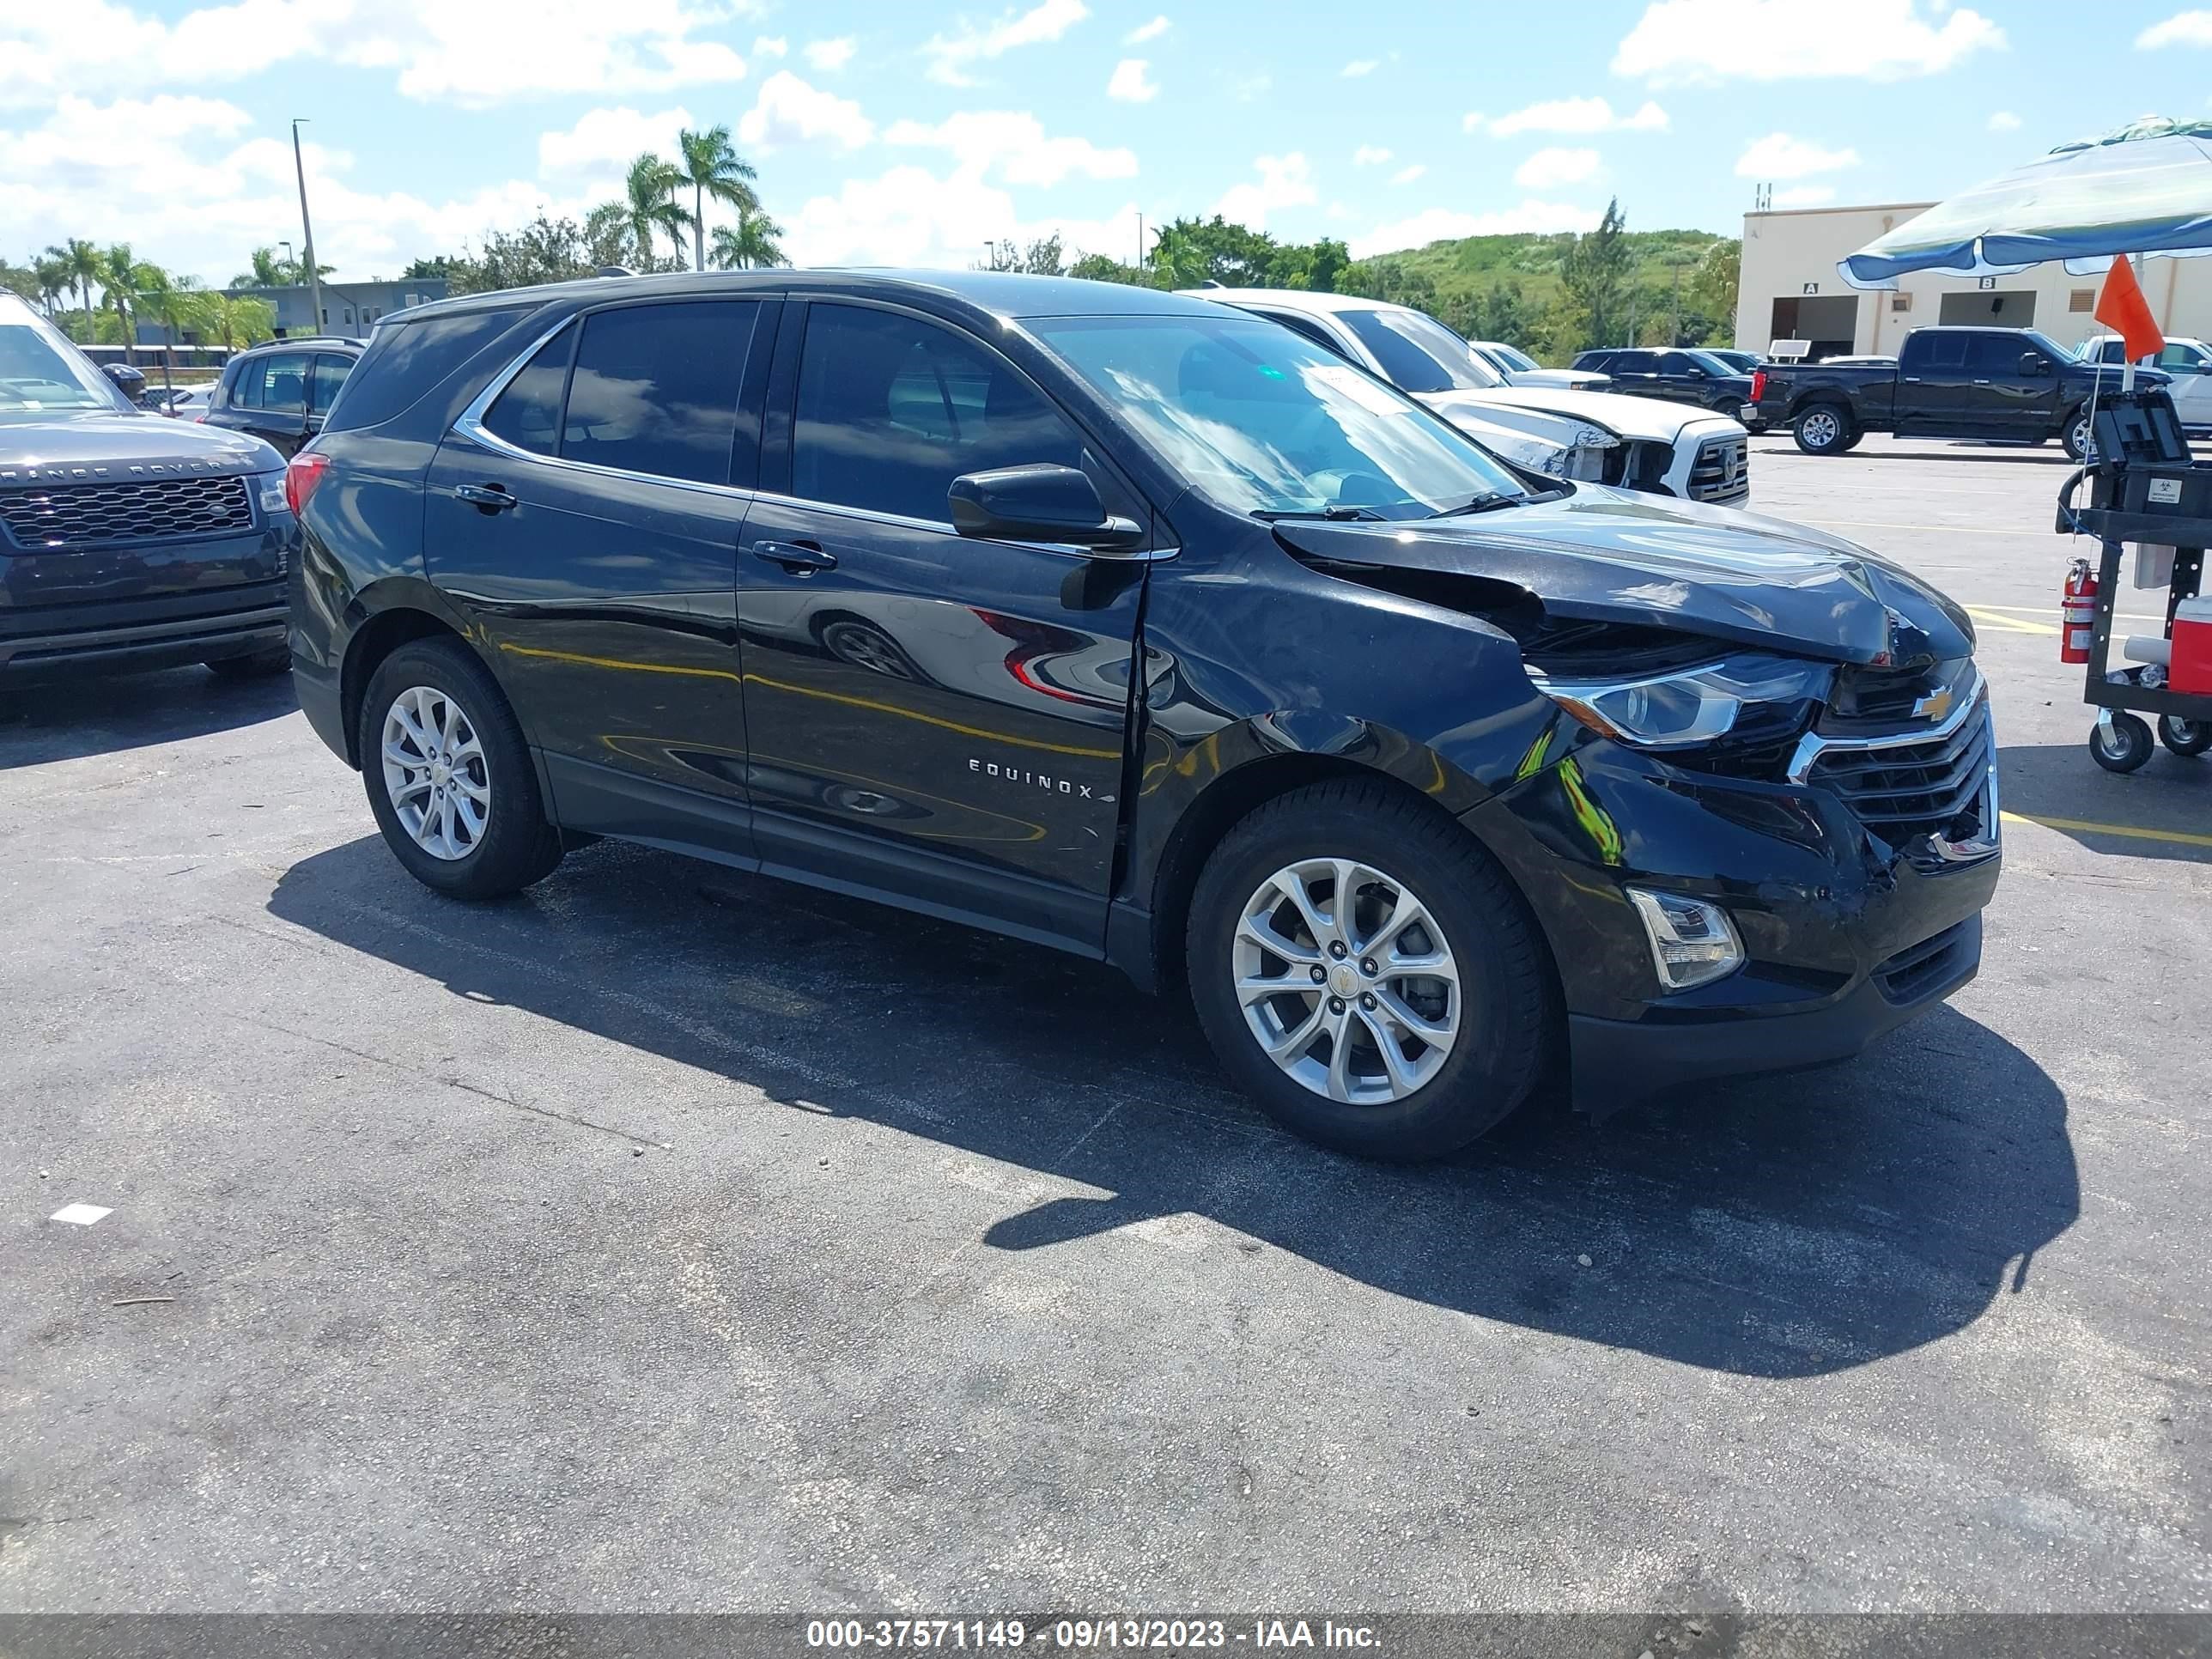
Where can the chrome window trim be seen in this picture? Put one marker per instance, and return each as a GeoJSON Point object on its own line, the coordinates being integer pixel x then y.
{"type": "Point", "coordinates": [945, 527]}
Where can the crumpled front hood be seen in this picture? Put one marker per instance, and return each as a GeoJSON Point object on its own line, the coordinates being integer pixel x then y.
{"type": "Point", "coordinates": [96, 448]}
{"type": "Point", "coordinates": [1609, 555]}
{"type": "Point", "coordinates": [1643, 419]}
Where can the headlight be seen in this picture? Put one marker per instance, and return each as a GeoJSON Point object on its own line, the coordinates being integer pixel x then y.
{"type": "Point", "coordinates": [272, 488]}
{"type": "Point", "coordinates": [1693, 706]}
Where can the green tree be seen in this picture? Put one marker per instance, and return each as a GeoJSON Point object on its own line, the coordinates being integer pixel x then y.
{"type": "Point", "coordinates": [1710, 287]}
{"type": "Point", "coordinates": [1104, 268]}
{"type": "Point", "coordinates": [443, 266]}
{"type": "Point", "coordinates": [118, 282]}
{"type": "Point", "coordinates": [51, 276]}
{"type": "Point", "coordinates": [1044, 256]}
{"type": "Point", "coordinates": [1503, 316]}
{"type": "Point", "coordinates": [24, 281]}
{"type": "Point", "coordinates": [176, 302]}
{"type": "Point", "coordinates": [648, 204]}
{"type": "Point", "coordinates": [713, 168]}
{"type": "Point", "coordinates": [1190, 251]}
{"type": "Point", "coordinates": [606, 236]}
{"type": "Point", "coordinates": [749, 245]}
{"type": "Point", "coordinates": [237, 322]}
{"type": "Point", "coordinates": [1594, 274]}
{"type": "Point", "coordinates": [81, 260]}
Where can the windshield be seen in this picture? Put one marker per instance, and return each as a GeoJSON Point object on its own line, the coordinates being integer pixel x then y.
{"type": "Point", "coordinates": [1419, 352]}
{"type": "Point", "coordinates": [1261, 420]}
{"type": "Point", "coordinates": [1710, 364]}
{"type": "Point", "coordinates": [40, 374]}
{"type": "Point", "coordinates": [1514, 357]}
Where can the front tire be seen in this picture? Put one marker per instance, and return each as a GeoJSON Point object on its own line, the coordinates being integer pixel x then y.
{"type": "Point", "coordinates": [2078, 436]}
{"type": "Point", "coordinates": [1823, 429]}
{"type": "Point", "coordinates": [1429, 1020]}
{"type": "Point", "coordinates": [449, 776]}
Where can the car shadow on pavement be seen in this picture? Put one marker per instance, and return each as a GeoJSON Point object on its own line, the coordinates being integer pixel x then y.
{"type": "Point", "coordinates": [2060, 787]}
{"type": "Point", "coordinates": [1769, 1228]}
{"type": "Point", "coordinates": [97, 715]}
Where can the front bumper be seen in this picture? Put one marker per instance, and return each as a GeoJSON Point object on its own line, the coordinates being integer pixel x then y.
{"type": "Point", "coordinates": [1845, 936]}
{"type": "Point", "coordinates": [168, 631]}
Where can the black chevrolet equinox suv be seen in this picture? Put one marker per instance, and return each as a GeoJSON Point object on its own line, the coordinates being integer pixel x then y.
{"type": "Point", "coordinates": [1134, 626]}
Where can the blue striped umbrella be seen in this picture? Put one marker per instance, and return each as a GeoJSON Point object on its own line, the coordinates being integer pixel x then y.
{"type": "Point", "coordinates": [2146, 189]}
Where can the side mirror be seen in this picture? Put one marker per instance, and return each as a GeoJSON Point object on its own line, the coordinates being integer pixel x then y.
{"type": "Point", "coordinates": [1039, 503]}
{"type": "Point", "coordinates": [2033, 362]}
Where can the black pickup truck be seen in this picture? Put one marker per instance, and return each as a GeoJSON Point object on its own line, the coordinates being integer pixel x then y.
{"type": "Point", "coordinates": [2003, 383]}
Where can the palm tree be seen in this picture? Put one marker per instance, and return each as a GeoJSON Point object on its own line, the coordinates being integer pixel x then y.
{"type": "Point", "coordinates": [648, 204]}
{"type": "Point", "coordinates": [268, 272]}
{"type": "Point", "coordinates": [751, 244]}
{"type": "Point", "coordinates": [119, 280]}
{"type": "Point", "coordinates": [175, 302]}
{"type": "Point", "coordinates": [53, 276]}
{"type": "Point", "coordinates": [711, 168]}
{"type": "Point", "coordinates": [82, 261]}
{"type": "Point", "coordinates": [238, 322]}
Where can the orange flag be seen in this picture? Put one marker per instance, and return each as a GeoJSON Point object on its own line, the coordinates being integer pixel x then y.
{"type": "Point", "coordinates": [2122, 308]}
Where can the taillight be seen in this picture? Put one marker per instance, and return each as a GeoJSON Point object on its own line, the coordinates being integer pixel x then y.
{"type": "Point", "coordinates": [303, 473]}
{"type": "Point", "coordinates": [1758, 384]}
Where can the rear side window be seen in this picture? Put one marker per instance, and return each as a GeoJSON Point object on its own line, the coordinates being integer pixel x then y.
{"type": "Point", "coordinates": [892, 409]}
{"type": "Point", "coordinates": [330, 374]}
{"type": "Point", "coordinates": [279, 384]}
{"type": "Point", "coordinates": [405, 360]}
{"type": "Point", "coordinates": [654, 388]}
{"type": "Point", "coordinates": [1941, 350]}
{"type": "Point", "coordinates": [1634, 362]}
{"type": "Point", "coordinates": [527, 413]}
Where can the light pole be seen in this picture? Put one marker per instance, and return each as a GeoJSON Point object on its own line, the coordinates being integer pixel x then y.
{"type": "Point", "coordinates": [307, 229]}
{"type": "Point", "coordinates": [290, 258]}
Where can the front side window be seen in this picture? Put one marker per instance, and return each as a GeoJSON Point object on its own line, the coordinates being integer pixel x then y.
{"type": "Point", "coordinates": [892, 409]}
{"type": "Point", "coordinates": [2188, 359]}
{"type": "Point", "coordinates": [1419, 352]}
{"type": "Point", "coordinates": [1259, 420]}
{"type": "Point", "coordinates": [654, 389]}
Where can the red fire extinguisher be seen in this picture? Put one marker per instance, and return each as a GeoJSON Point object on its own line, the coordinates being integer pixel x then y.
{"type": "Point", "coordinates": [2077, 613]}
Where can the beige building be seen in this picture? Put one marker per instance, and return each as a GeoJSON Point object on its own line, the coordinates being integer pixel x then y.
{"type": "Point", "coordinates": [1790, 289]}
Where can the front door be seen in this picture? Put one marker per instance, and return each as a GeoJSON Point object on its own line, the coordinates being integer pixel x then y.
{"type": "Point", "coordinates": [931, 715]}
{"type": "Point", "coordinates": [585, 515]}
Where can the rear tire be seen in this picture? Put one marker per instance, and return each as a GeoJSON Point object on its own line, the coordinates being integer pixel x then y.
{"type": "Point", "coordinates": [257, 665]}
{"type": "Point", "coordinates": [2185, 737]}
{"type": "Point", "coordinates": [1823, 429]}
{"type": "Point", "coordinates": [449, 776]}
{"type": "Point", "coordinates": [1469, 1036]}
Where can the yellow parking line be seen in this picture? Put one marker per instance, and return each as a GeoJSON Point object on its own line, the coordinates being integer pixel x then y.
{"type": "Point", "coordinates": [2008, 624]}
{"type": "Point", "coordinates": [2179, 837]}
{"type": "Point", "coordinates": [2045, 610]}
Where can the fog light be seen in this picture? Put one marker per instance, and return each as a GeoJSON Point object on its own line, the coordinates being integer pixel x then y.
{"type": "Point", "coordinates": [1693, 942]}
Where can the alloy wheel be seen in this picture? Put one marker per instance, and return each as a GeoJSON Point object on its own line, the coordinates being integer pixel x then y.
{"type": "Point", "coordinates": [1346, 981]}
{"type": "Point", "coordinates": [1821, 430]}
{"type": "Point", "coordinates": [435, 774]}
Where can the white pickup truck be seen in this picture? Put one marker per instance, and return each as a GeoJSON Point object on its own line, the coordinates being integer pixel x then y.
{"type": "Point", "coordinates": [1637, 443]}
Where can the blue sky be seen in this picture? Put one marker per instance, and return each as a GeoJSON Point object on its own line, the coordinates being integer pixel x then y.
{"type": "Point", "coordinates": [914, 132]}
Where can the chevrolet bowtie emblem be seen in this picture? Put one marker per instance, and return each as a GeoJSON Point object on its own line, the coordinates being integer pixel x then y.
{"type": "Point", "coordinates": [1934, 706]}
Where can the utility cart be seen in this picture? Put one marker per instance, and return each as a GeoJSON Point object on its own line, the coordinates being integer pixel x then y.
{"type": "Point", "coordinates": [2146, 492]}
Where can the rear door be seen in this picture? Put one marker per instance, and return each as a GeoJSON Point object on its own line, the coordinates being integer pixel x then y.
{"type": "Point", "coordinates": [585, 513]}
{"type": "Point", "coordinates": [933, 717]}
{"type": "Point", "coordinates": [1935, 392]}
{"type": "Point", "coordinates": [269, 399]}
{"type": "Point", "coordinates": [1635, 373]}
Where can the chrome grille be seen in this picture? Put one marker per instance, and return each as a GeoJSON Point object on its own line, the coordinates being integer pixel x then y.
{"type": "Point", "coordinates": [41, 519]}
{"type": "Point", "coordinates": [1721, 472]}
{"type": "Point", "coordinates": [1901, 790]}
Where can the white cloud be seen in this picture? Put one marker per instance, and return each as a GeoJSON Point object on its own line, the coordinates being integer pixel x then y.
{"type": "Point", "coordinates": [2004, 121]}
{"type": "Point", "coordinates": [1406, 175]}
{"type": "Point", "coordinates": [1440, 224]}
{"type": "Point", "coordinates": [1778, 155]}
{"type": "Point", "coordinates": [1369, 155]}
{"type": "Point", "coordinates": [1144, 31]}
{"type": "Point", "coordinates": [1359, 66]}
{"type": "Point", "coordinates": [1132, 82]}
{"type": "Point", "coordinates": [953, 59]}
{"type": "Point", "coordinates": [829, 56]}
{"type": "Point", "coordinates": [1684, 42]}
{"type": "Point", "coordinates": [1472, 121]}
{"type": "Point", "coordinates": [1284, 181]}
{"type": "Point", "coordinates": [1014, 145]}
{"type": "Point", "coordinates": [1548, 168]}
{"type": "Point", "coordinates": [788, 111]}
{"type": "Point", "coordinates": [2183, 29]}
{"type": "Point", "coordinates": [912, 216]}
{"type": "Point", "coordinates": [604, 141]}
{"type": "Point", "coordinates": [474, 54]}
{"type": "Point", "coordinates": [1574, 115]}
{"type": "Point", "coordinates": [1805, 196]}
{"type": "Point", "coordinates": [771, 45]}
{"type": "Point", "coordinates": [1247, 88]}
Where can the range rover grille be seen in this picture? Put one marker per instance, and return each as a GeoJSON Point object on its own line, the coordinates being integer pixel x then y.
{"type": "Point", "coordinates": [54, 519]}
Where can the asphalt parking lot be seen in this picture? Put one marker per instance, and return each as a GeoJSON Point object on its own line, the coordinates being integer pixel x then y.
{"type": "Point", "coordinates": [670, 1239]}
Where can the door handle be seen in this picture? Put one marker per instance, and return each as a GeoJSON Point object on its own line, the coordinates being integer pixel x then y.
{"type": "Point", "coordinates": [1981, 383]}
{"type": "Point", "coordinates": [800, 558]}
{"type": "Point", "coordinates": [489, 497]}
{"type": "Point", "coordinates": [1912, 379]}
